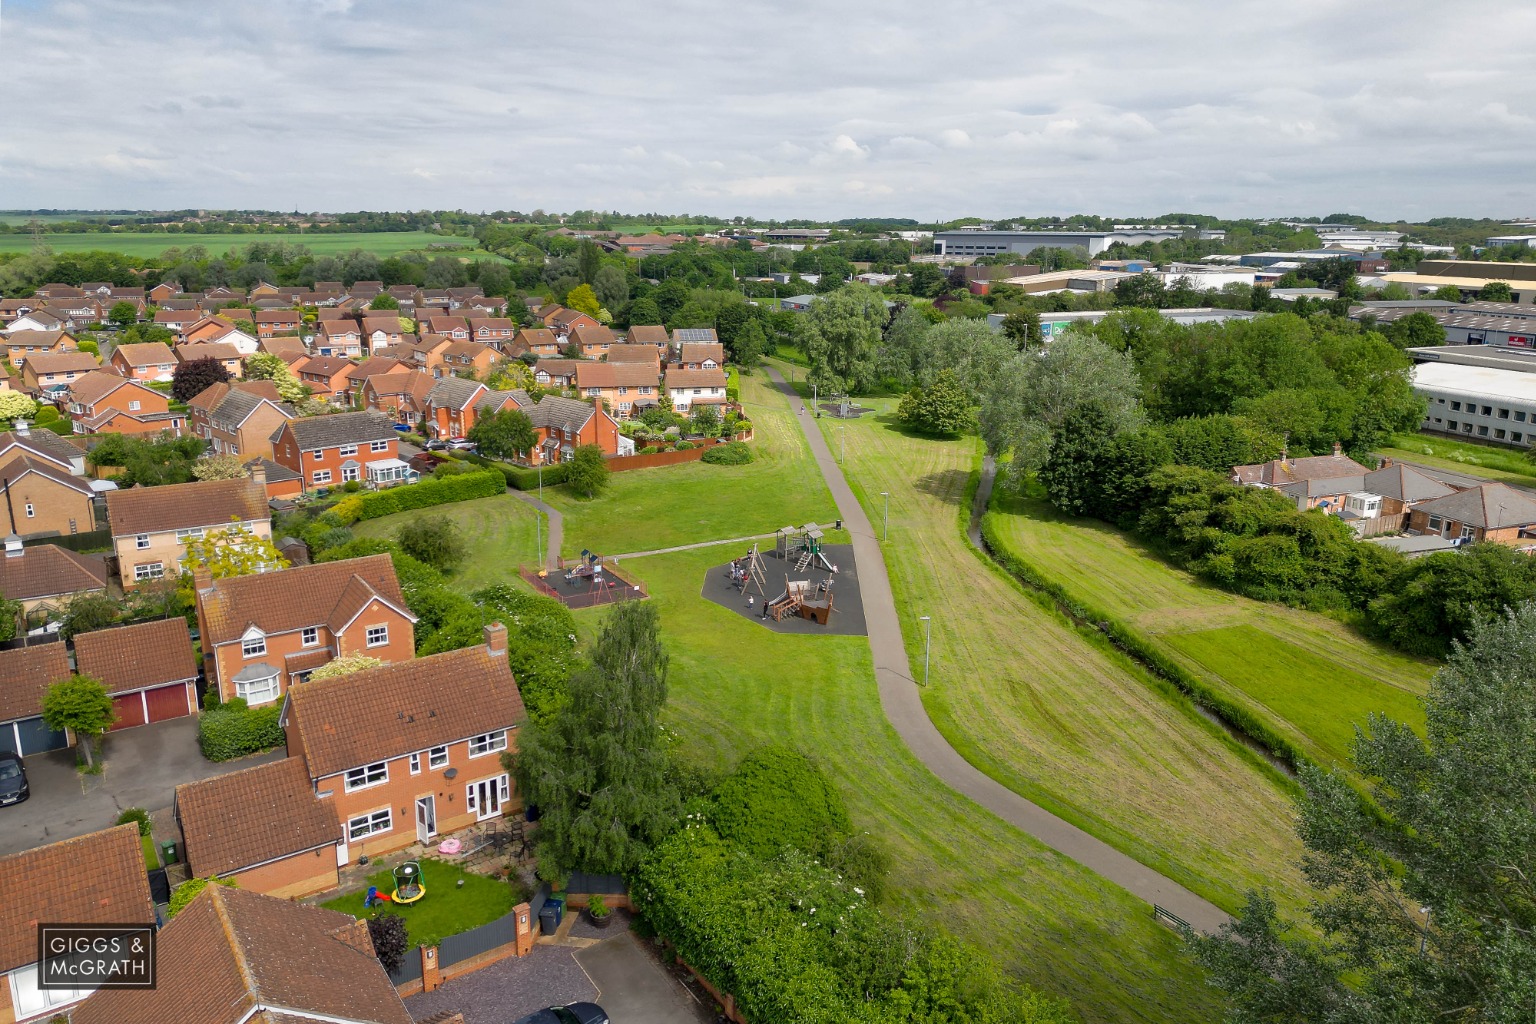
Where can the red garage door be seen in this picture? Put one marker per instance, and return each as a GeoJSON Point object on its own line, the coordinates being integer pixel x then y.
{"type": "Point", "coordinates": [167, 702]}
{"type": "Point", "coordinates": [130, 710]}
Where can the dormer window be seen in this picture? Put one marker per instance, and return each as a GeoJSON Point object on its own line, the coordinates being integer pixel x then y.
{"type": "Point", "coordinates": [254, 643]}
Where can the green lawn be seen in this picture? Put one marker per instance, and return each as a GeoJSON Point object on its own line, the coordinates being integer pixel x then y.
{"type": "Point", "coordinates": [500, 532]}
{"type": "Point", "coordinates": [1508, 465]}
{"type": "Point", "coordinates": [151, 852]}
{"type": "Point", "coordinates": [152, 243]}
{"type": "Point", "coordinates": [444, 910]}
{"type": "Point", "coordinates": [646, 509]}
{"type": "Point", "coordinates": [735, 686]}
{"type": "Point", "coordinates": [1313, 678]}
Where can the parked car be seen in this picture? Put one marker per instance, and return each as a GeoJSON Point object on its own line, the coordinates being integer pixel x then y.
{"type": "Point", "coordinates": [436, 446]}
{"type": "Point", "coordinates": [461, 444]}
{"type": "Point", "coordinates": [576, 1013]}
{"type": "Point", "coordinates": [14, 788]}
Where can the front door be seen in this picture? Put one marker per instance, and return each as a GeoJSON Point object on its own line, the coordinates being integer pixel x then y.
{"type": "Point", "coordinates": [485, 797]}
{"type": "Point", "coordinates": [426, 818]}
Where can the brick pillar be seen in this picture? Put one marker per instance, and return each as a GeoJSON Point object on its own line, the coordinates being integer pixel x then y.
{"type": "Point", "coordinates": [431, 974]}
{"type": "Point", "coordinates": [525, 928]}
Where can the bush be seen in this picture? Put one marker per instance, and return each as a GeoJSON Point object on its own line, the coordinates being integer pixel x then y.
{"type": "Point", "coordinates": [433, 539]}
{"type": "Point", "coordinates": [188, 890]}
{"type": "Point", "coordinates": [526, 478]}
{"type": "Point", "coordinates": [732, 453]}
{"type": "Point", "coordinates": [234, 730]}
{"type": "Point", "coordinates": [685, 446]}
{"type": "Point", "coordinates": [352, 486]}
{"type": "Point", "coordinates": [422, 495]}
{"type": "Point", "coordinates": [390, 940]}
{"type": "Point", "coordinates": [138, 816]}
{"type": "Point", "coordinates": [777, 797]}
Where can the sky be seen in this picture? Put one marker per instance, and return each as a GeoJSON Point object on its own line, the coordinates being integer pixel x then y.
{"type": "Point", "coordinates": [823, 110]}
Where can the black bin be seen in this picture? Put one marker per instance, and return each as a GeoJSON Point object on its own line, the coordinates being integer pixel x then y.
{"type": "Point", "coordinates": [549, 919]}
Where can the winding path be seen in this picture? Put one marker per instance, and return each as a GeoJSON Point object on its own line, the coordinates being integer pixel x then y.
{"type": "Point", "coordinates": [903, 707]}
{"type": "Point", "coordinates": [554, 520]}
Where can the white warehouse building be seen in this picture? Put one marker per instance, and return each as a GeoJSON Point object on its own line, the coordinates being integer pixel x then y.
{"type": "Point", "coordinates": [1480, 403]}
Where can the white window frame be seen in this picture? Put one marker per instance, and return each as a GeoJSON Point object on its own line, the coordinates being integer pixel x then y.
{"type": "Point", "coordinates": [382, 641]}
{"type": "Point", "coordinates": [488, 743]}
{"type": "Point", "coordinates": [253, 646]}
{"type": "Point", "coordinates": [148, 571]}
{"type": "Point", "coordinates": [309, 636]}
{"type": "Point", "coordinates": [321, 476]}
{"type": "Point", "coordinates": [371, 824]}
{"type": "Point", "coordinates": [366, 777]}
{"type": "Point", "coordinates": [378, 446]}
{"type": "Point", "coordinates": [346, 449]}
{"type": "Point", "coordinates": [258, 691]}
{"type": "Point", "coordinates": [31, 512]}
{"type": "Point", "coordinates": [28, 1000]}
{"type": "Point", "coordinates": [141, 542]}
{"type": "Point", "coordinates": [196, 533]}
{"type": "Point", "coordinates": [133, 405]}
{"type": "Point", "coordinates": [437, 757]}
{"type": "Point", "coordinates": [416, 763]}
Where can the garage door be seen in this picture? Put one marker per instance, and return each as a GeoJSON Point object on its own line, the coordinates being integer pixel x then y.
{"type": "Point", "coordinates": [130, 711]}
{"type": "Point", "coordinates": [36, 737]}
{"type": "Point", "coordinates": [166, 702]}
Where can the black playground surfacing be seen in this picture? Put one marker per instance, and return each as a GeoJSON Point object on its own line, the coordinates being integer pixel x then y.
{"type": "Point", "coordinates": [580, 592]}
{"type": "Point", "coordinates": [847, 617]}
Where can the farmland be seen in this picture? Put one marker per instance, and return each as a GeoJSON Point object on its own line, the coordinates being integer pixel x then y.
{"type": "Point", "coordinates": [153, 243]}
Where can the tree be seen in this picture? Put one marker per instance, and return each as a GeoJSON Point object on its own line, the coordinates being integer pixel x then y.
{"type": "Point", "coordinates": [747, 350]}
{"type": "Point", "coordinates": [14, 405]}
{"type": "Point", "coordinates": [588, 260]}
{"type": "Point", "coordinates": [10, 619]}
{"type": "Point", "coordinates": [903, 350]}
{"type": "Point", "coordinates": [234, 550]}
{"type": "Point", "coordinates": [344, 666]}
{"type": "Point", "coordinates": [1022, 327]}
{"type": "Point", "coordinates": [1428, 896]}
{"type": "Point", "coordinates": [505, 434]}
{"type": "Point", "coordinates": [123, 313]}
{"type": "Point", "coordinates": [840, 334]}
{"type": "Point", "coordinates": [1447, 293]}
{"type": "Point", "coordinates": [81, 705]}
{"type": "Point", "coordinates": [643, 312]}
{"type": "Point", "coordinates": [1074, 472]}
{"type": "Point", "coordinates": [390, 940]}
{"type": "Point", "coordinates": [943, 407]}
{"type": "Point", "coordinates": [1416, 330]}
{"type": "Point", "coordinates": [384, 300]}
{"type": "Point", "coordinates": [265, 366]}
{"type": "Point", "coordinates": [187, 891]}
{"type": "Point", "coordinates": [88, 612]}
{"type": "Point", "coordinates": [598, 771]}
{"type": "Point", "coordinates": [218, 467]}
{"type": "Point", "coordinates": [587, 472]}
{"type": "Point", "coordinates": [435, 540]}
{"type": "Point", "coordinates": [611, 287]}
{"type": "Point", "coordinates": [1495, 291]}
{"type": "Point", "coordinates": [194, 376]}
{"type": "Point", "coordinates": [583, 299]}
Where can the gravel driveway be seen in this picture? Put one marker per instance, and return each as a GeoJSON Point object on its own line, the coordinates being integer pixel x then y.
{"type": "Point", "coordinates": [511, 988]}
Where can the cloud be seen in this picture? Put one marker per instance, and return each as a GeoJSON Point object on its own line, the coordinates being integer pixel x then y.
{"type": "Point", "coordinates": [1119, 108]}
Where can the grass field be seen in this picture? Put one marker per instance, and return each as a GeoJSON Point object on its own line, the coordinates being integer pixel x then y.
{"type": "Point", "coordinates": [1508, 465]}
{"type": "Point", "coordinates": [735, 686]}
{"type": "Point", "coordinates": [1310, 676]}
{"type": "Point", "coordinates": [152, 243]}
{"type": "Point", "coordinates": [500, 532]}
{"type": "Point", "coordinates": [645, 509]}
{"type": "Point", "coordinates": [1071, 725]}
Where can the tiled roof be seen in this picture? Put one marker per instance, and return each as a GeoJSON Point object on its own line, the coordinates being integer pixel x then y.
{"type": "Point", "coordinates": [648, 354]}
{"type": "Point", "coordinates": [392, 710]}
{"type": "Point", "coordinates": [207, 350]}
{"type": "Point", "coordinates": [495, 401]}
{"type": "Point", "coordinates": [148, 353]}
{"type": "Point", "coordinates": [695, 335]}
{"type": "Point", "coordinates": [278, 316]}
{"type": "Point", "coordinates": [33, 339]}
{"type": "Point", "coordinates": [205, 503]}
{"type": "Point", "coordinates": [314, 432]}
{"type": "Point", "coordinates": [696, 378]}
{"type": "Point", "coordinates": [560, 413]}
{"type": "Point", "coordinates": [1492, 506]}
{"type": "Point", "coordinates": [96, 878]}
{"type": "Point", "coordinates": [375, 366]}
{"type": "Point", "coordinates": [237, 957]}
{"type": "Point", "coordinates": [536, 336]}
{"type": "Point", "coordinates": [1405, 483]}
{"type": "Point", "coordinates": [648, 334]}
{"type": "Point", "coordinates": [98, 384]}
{"type": "Point", "coordinates": [138, 656]}
{"type": "Point", "coordinates": [306, 595]}
{"type": "Point", "coordinates": [468, 349]}
{"type": "Point", "coordinates": [25, 675]}
{"type": "Point", "coordinates": [43, 443]}
{"type": "Point", "coordinates": [1287, 471]}
{"type": "Point", "coordinates": [253, 816]}
{"type": "Point", "coordinates": [20, 465]}
{"type": "Point", "coordinates": [327, 366]}
{"type": "Point", "coordinates": [414, 384]}
{"type": "Point", "coordinates": [63, 362]}
{"type": "Point", "coordinates": [387, 324]}
{"type": "Point", "coordinates": [276, 473]}
{"type": "Point", "coordinates": [560, 367]}
{"type": "Point", "coordinates": [337, 327]}
{"type": "Point", "coordinates": [281, 345]}
{"type": "Point", "coordinates": [491, 323]}
{"type": "Point", "coordinates": [47, 570]}
{"type": "Point", "coordinates": [454, 392]}
{"type": "Point", "coordinates": [695, 352]}
{"type": "Point", "coordinates": [586, 334]}
{"type": "Point", "coordinates": [447, 324]}
{"type": "Point", "coordinates": [615, 375]}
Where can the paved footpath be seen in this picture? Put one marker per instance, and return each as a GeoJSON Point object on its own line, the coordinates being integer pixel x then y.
{"type": "Point", "coordinates": [904, 709]}
{"type": "Point", "coordinates": [555, 523]}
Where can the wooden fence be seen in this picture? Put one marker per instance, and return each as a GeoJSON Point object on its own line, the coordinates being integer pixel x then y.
{"type": "Point", "coordinates": [619, 463]}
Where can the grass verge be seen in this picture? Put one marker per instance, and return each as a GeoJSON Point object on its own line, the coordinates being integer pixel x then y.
{"type": "Point", "coordinates": [1506, 465]}
{"type": "Point", "coordinates": [499, 531]}
{"type": "Point", "coordinates": [153, 243]}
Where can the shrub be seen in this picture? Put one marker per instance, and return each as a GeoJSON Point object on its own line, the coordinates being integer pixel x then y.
{"type": "Point", "coordinates": [433, 539]}
{"type": "Point", "coordinates": [390, 940]}
{"type": "Point", "coordinates": [422, 495]}
{"type": "Point", "coordinates": [732, 453]}
{"type": "Point", "coordinates": [650, 449]}
{"type": "Point", "coordinates": [685, 446]}
{"type": "Point", "coordinates": [352, 486]}
{"type": "Point", "coordinates": [138, 816]}
{"type": "Point", "coordinates": [188, 890]}
{"type": "Point", "coordinates": [234, 730]}
{"type": "Point", "coordinates": [777, 797]}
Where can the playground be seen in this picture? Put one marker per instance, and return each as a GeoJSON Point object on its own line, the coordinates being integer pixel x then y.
{"type": "Point", "coordinates": [584, 582]}
{"type": "Point", "coordinates": [792, 584]}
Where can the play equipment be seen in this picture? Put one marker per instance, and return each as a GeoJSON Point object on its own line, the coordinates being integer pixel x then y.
{"type": "Point", "coordinates": [803, 545]}
{"type": "Point", "coordinates": [787, 603]}
{"type": "Point", "coordinates": [747, 573]}
{"type": "Point", "coordinates": [590, 565]}
{"type": "Point", "coordinates": [408, 883]}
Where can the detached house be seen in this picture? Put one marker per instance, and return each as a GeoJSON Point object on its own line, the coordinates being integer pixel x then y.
{"type": "Point", "coordinates": [338, 338]}
{"type": "Point", "coordinates": [647, 355]}
{"type": "Point", "coordinates": [649, 334]}
{"type": "Point", "coordinates": [239, 419]}
{"type": "Point", "coordinates": [326, 376]}
{"type": "Point", "coordinates": [426, 353]}
{"type": "Point", "coordinates": [221, 352]}
{"type": "Point", "coordinates": [329, 450]}
{"type": "Point", "coordinates": [44, 446]}
{"type": "Point", "coordinates": [400, 396]}
{"type": "Point", "coordinates": [541, 341]}
{"type": "Point", "coordinates": [25, 675]}
{"type": "Point", "coordinates": [455, 328]}
{"type": "Point", "coordinates": [151, 525]}
{"type": "Point", "coordinates": [261, 634]}
{"type": "Point", "coordinates": [380, 332]}
{"type": "Point", "coordinates": [593, 341]}
{"type": "Point", "coordinates": [451, 406]}
{"type": "Point", "coordinates": [375, 366]}
{"type": "Point", "coordinates": [494, 331]}
{"type": "Point", "coordinates": [469, 357]}
{"type": "Point", "coordinates": [148, 669]}
{"type": "Point", "coordinates": [407, 752]}
{"type": "Point", "coordinates": [150, 361]}
{"type": "Point", "coordinates": [689, 388]}
{"type": "Point", "coordinates": [270, 322]}
{"type": "Point", "coordinates": [179, 321]}
{"type": "Point", "coordinates": [42, 500]}
{"type": "Point", "coordinates": [97, 878]}
{"type": "Point", "coordinates": [700, 356]}
{"type": "Point", "coordinates": [564, 424]}
{"type": "Point", "coordinates": [23, 345]}
{"type": "Point", "coordinates": [104, 403]}
{"type": "Point", "coordinates": [622, 385]}
{"type": "Point", "coordinates": [559, 373]}
{"type": "Point", "coordinates": [50, 373]}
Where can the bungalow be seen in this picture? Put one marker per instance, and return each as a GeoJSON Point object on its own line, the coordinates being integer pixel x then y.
{"type": "Point", "coordinates": [326, 376]}
{"type": "Point", "coordinates": [262, 633]}
{"type": "Point", "coordinates": [21, 345]}
{"type": "Point", "coordinates": [103, 403]}
{"type": "Point", "coordinates": [221, 352]}
{"type": "Point", "coordinates": [689, 388]}
{"type": "Point", "coordinates": [270, 322]}
{"type": "Point", "coordinates": [1283, 472]}
{"type": "Point", "coordinates": [623, 386]}
{"type": "Point", "coordinates": [149, 361]}
{"type": "Point", "coordinates": [451, 406]}
{"type": "Point", "coordinates": [264, 827]}
{"type": "Point", "coordinates": [694, 355]}
{"type": "Point", "coordinates": [331, 450]}
{"type": "Point", "coordinates": [151, 525]}
{"type": "Point", "coordinates": [239, 419]}
{"type": "Point", "coordinates": [42, 500]}
{"type": "Point", "coordinates": [25, 675]}
{"type": "Point", "coordinates": [53, 373]}
{"type": "Point", "coordinates": [338, 338]}
{"type": "Point", "coordinates": [410, 751]}
{"type": "Point", "coordinates": [39, 319]}
{"type": "Point", "coordinates": [45, 577]}
{"type": "Point", "coordinates": [1487, 512]}
{"type": "Point", "coordinates": [564, 424]}
{"type": "Point", "coordinates": [148, 668]}
{"type": "Point", "coordinates": [97, 878]}
{"type": "Point", "coordinates": [538, 340]}
{"type": "Point", "coordinates": [594, 342]}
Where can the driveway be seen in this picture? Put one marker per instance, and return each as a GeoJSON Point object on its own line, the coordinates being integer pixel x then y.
{"type": "Point", "coordinates": [144, 767]}
{"type": "Point", "coordinates": [633, 987]}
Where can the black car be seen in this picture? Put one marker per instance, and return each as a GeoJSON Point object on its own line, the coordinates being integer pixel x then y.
{"type": "Point", "coordinates": [576, 1013]}
{"type": "Point", "coordinates": [14, 788]}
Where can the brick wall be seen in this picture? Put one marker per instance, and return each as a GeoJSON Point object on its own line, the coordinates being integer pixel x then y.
{"type": "Point", "coordinates": [303, 874]}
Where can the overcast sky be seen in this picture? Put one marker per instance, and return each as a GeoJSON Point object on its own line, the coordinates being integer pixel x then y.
{"type": "Point", "coordinates": [927, 110]}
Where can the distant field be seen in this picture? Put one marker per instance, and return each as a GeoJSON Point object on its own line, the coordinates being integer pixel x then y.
{"type": "Point", "coordinates": [383, 243]}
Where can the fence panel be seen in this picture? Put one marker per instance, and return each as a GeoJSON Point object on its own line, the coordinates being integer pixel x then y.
{"type": "Point", "coordinates": [410, 968]}
{"type": "Point", "coordinates": [460, 947]}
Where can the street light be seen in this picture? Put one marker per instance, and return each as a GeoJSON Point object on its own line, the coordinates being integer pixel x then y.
{"type": "Point", "coordinates": [842, 433]}
{"type": "Point", "coordinates": [1424, 935]}
{"type": "Point", "coordinates": [885, 517]}
{"type": "Point", "coordinates": [927, 622]}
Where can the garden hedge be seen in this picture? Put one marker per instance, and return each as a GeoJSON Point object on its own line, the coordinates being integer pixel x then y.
{"type": "Point", "coordinates": [732, 453]}
{"type": "Point", "coordinates": [435, 491]}
{"type": "Point", "coordinates": [233, 730]}
{"type": "Point", "coordinates": [522, 478]}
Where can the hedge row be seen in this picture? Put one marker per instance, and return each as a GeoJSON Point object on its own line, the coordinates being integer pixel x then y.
{"type": "Point", "coordinates": [523, 478]}
{"type": "Point", "coordinates": [233, 730]}
{"type": "Point", "coordinates": [1133, 644]}
{"type": "Point", "coordinates": [436, 491]}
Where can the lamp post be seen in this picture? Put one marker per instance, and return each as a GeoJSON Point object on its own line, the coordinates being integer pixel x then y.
{"type": "Point", "coordinates": [842, 434]}
{"type": "Point", "coordinates": [1424, 935]}
{"type": "Point", "coordinates": [927, 621]}
{"type": "Point", "coordinates": [885, 517]}
{"type": "Point", "coordinates": [813, 396]}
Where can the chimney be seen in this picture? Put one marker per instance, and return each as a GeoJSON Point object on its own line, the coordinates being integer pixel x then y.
{"type": "Point", "coordinates": [496, 638]}
{"type": "Point", "coordinates": [258, 473]}
{"type": "Point", "coordinates": [13, 547]}
{"type": "Point", "coordinates": [22, 429]}
{"type": "Point", "coordinates": [1338, 450]}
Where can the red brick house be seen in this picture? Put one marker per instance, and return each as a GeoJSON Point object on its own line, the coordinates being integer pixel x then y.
{"type": "Point", "coordinates": [497, 332]}
{"type": "Point", "coordinates": [338, 338]}
{"type": "Point", "coordinates": [564, 424]}
{"type": "Point", "coordinates": [410, 751]}
{"type": "Point", "coordinates": [451, 406]}
{"type": "Point", "coordinates": [1488, 512]}
{"type": "Point", "coordinates": [650, 334]}
{"type": "Point", "coordinates": [380, 332]}
{"type": "Point", "coordinates": [427, 353]}
{"type": "Point", "coordinates": [104, 403]}
{"type": "Point", "coordinates": [330, 450]}
{"type": "Point", "coordinates": [149, 361]}
{"type": "Point", "coordinates": [270, 322]}
{"type": "Point", "coordinates": [454, 328]}
{"type": "Point", "coordinates": [262, 633]}
{"type": "Point", "coordinates": [593, 341]}
{"type": "Point", "coordinates": [326, 376]}
{"type": "Point", "coordinates": [374, 366]}
{"type": "Point", "coordinates": [240, 418]}
{"type": "Point", "coordinates": [701, 356]}
{"type": "Point", "coordinates": [623, 386]}
{"type": "Point", "coordinates": [541, 341]}
{"type": "Point", "coordinates": [148, 668]}
{"type": "Point", "coordinates": [222, 352]}
{"type": "Point", "coordinates": [469, 357]}
{"type": "Point", "coordinates": [559, 373]}
{"type": "Point", "coordinates": [400, 396]}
